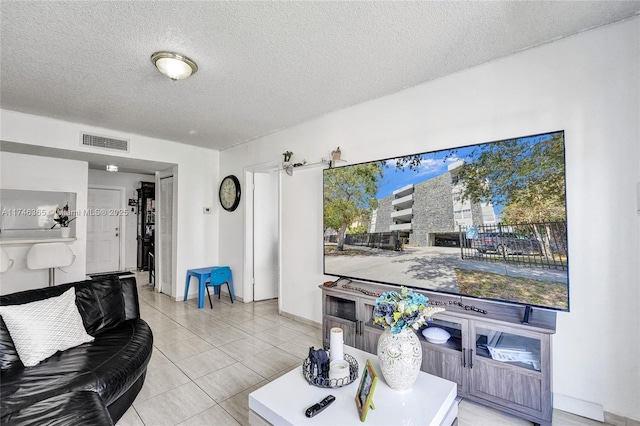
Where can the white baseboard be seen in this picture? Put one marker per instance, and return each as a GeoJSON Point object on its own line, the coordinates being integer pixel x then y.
{"type": "Point", "coordinates": [300, 319]}
{"type": "Point", "coordinates": [582, 408]}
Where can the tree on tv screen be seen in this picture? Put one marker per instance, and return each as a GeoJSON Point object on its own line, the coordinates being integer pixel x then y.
{"type": "Point", "coordinates": [524, 175]}
{"type": "Point", "coordinates": [350, 194]}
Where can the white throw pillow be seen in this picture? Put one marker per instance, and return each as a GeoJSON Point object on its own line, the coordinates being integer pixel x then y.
{"type": "Point", "coordinates": [40, 329]}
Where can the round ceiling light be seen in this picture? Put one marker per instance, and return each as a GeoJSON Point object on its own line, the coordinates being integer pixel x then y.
{"type": "Point", "coordinates": [174, 65]}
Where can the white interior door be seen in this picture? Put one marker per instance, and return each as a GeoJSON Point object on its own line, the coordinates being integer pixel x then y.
{"type": "Point", "coordinates": [265, 236]}
{"type": "Point", "coordinates": [103, 231]}
{"type": "Point", "coordinates": [166, 232]}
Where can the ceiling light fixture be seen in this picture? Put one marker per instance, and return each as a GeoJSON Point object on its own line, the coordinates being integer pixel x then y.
{"type": "Point", "coordinates": [112, 168]}
{"type": "Point", "coordinates": [174, 65]}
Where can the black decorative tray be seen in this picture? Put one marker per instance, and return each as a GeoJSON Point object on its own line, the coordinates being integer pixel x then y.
{"type": "Point", "coordinates": [331, 383]}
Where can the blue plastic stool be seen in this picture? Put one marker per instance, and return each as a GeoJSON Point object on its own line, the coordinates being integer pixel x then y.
{"type": "Point", "coordinates": [221, 275]}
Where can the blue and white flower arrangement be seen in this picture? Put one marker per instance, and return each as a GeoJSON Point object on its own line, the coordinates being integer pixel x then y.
{"type": "Point", "coordinates": [399, 311]}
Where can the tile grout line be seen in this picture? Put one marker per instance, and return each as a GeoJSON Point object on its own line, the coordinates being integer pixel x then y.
{"type": "Point", "coordinates": [198, 386]}
{"type": "Point", "coordinates": [152, 307]}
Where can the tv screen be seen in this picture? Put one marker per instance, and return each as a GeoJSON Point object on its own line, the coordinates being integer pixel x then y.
{"type": "Point", "coordinates": [485, 221]}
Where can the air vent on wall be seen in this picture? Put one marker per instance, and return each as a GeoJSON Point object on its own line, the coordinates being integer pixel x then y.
{"type": "Point", "coordinates": [104, 142]}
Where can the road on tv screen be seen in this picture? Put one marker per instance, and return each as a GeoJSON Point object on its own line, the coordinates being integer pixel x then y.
{"type": "Point", "coordinates": [441, 269]}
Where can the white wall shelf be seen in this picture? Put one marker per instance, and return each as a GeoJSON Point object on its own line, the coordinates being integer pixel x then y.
{"type": "Point", "coordinates": [324, 162]}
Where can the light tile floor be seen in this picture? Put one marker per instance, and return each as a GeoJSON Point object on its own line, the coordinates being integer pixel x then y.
{"type": "Point", "coordinates": [207, 361]}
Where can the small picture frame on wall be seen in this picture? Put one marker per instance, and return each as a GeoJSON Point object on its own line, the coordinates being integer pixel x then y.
{"type": "Point", "coordinates": [364, 396]}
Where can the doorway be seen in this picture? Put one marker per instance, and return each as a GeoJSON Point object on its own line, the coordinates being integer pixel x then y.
{"type": "Point", "coordinates": [103, 230]}
{"type": "Point", "coordinates": [262, 223]}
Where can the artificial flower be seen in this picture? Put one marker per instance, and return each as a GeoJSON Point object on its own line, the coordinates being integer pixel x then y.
{"type": "Point", "coordinates": [407, 309]}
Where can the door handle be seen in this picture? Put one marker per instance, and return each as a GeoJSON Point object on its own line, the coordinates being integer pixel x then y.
{"type": "Point", "coordinates": [470, 358]}
{"type": "Point", "coordinates": [464, 357]}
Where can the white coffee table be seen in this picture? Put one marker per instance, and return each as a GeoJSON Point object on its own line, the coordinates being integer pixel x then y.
{"type": "Point", "coordinates": [430, 401]}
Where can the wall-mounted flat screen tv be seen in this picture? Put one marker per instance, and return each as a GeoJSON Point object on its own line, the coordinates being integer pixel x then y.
{"type": "Point", "coordinates": [486, 221]}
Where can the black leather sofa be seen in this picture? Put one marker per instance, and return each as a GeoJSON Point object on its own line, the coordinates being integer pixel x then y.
{"type": "Point", "coordinates": [94, 383]}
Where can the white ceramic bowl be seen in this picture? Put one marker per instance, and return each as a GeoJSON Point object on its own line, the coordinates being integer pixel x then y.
{"type": "Point", "coordinates": [436, 335]}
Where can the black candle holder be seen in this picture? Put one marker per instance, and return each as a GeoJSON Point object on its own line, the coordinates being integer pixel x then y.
{"type": "Point", "coordinates": [314, 379]}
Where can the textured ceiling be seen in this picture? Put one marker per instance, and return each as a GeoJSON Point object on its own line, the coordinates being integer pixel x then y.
{"type": "Point", "coordinates": [263, 66]}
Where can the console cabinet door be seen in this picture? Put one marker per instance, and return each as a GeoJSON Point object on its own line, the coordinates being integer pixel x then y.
{"type": "Point", "coordinates": [348, 330]}
{"type": "Point", "coordinates": [370, 337]}
{"type": "Point", "coordinates": [511, 368]}
{"type": "Point", "coordinates": [369, 332]}
{"type": "Point", "coordinates": [340, 311]}
{"type": "Point", "coordinates": [442, 364]}
{"type": "Point", "coordinates": [447, 360]}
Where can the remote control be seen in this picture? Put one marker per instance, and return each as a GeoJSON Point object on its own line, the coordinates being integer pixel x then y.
{"type": "Point", "coordinates": [316, 408]}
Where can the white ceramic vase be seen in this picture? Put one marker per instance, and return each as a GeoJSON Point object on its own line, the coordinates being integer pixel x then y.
{"type": "Point", "coordinates": [400, 358]}
{"type": "Point", "coordinates": [65, 232]}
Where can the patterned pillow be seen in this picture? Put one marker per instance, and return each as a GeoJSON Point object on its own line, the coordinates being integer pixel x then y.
{"type": "Point", "coordinates": [40, 329]}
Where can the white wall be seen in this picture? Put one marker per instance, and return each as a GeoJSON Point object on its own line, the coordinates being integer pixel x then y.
{"type": "Point", "coordinates": [129, 181]}
{"type": "Point", "coordinates": [587, 85]}
{"type": "Point", "coordinates": [197, 234]}
{"type": "Point", "coordinates": [28, 172]}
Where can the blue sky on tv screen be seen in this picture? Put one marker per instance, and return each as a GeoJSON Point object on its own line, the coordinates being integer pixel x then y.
{"type": "Point", "coordinates": [433, 164]}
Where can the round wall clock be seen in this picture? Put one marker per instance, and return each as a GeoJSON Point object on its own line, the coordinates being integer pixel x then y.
{"type": "Point", "coordinates": [229, 193]}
